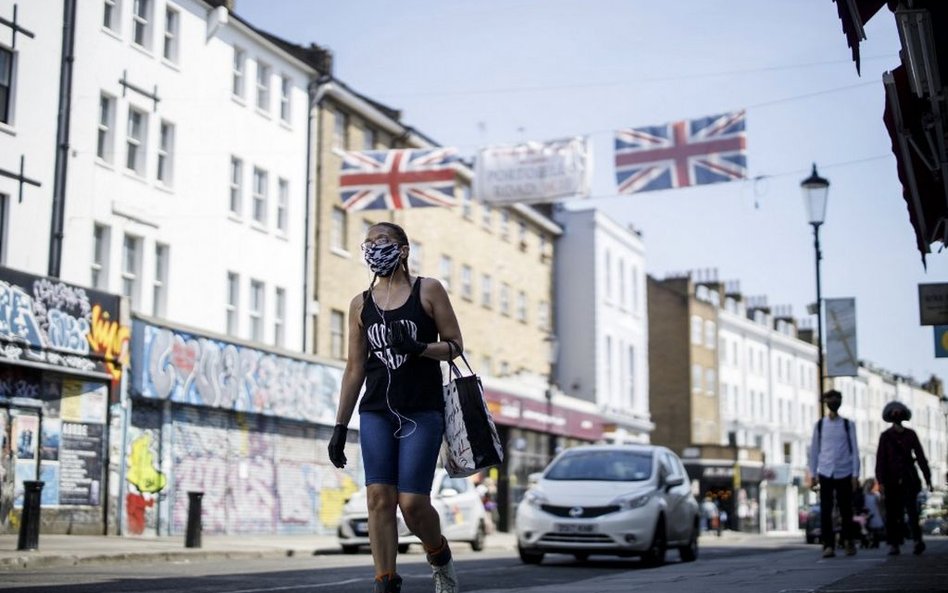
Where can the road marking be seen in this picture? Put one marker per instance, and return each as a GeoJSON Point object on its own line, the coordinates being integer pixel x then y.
{"type": "Point", "coordinates": [307, 586]}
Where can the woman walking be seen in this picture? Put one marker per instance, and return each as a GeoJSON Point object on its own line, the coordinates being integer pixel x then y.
{"type": "Point", "coordinates": [898, 452]}
{"type": "Point", "coordinates": [399, 330]}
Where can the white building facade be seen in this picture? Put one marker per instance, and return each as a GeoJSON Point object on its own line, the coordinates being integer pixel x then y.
{"type": "Point", "coordinates": [769, 402]}
{"type": "Point", "coordinates": [602, 320]}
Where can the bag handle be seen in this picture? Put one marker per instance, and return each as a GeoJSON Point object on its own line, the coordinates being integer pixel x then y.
{"type": "Point", "coordinates": [452, 346]}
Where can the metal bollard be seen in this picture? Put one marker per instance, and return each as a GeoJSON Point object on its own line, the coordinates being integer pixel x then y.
{"type": "Point", "coordinates": [192, 538]}
{"type": "Point", "coordinates": [30, 518]}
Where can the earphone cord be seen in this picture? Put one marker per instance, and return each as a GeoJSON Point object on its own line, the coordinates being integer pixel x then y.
{"type": "Point", "coordinates": [388, 369]}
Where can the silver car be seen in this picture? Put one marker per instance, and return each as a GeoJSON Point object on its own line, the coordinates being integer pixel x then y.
{"type": "Point", "coordinates": [459, 506]}
{"type": "Point", "coordinates": [625, 500]}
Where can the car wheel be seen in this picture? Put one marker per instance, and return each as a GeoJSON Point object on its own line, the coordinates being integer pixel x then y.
{"type": "Point", "coordinates": [528, 557]}
{"type": "Point", "coordinates": [477, 544]}
{"type": "Point", "coordinates": [689, 553]}
{"type": "Point", "coordinates": [581, 556]}
{"type": "Point", "coordinates": [403, 548]}
{"type": "Point", "coordinates": [655, 556]}
{"type": "Point", "coordinates": [350, 549]}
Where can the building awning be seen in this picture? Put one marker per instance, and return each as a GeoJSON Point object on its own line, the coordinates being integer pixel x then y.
{"type": "Point", "coordinates": [853, 14]}
{"type": "Point", "coordinates": [914, 134]}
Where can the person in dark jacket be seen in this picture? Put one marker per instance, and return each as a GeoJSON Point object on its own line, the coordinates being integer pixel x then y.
{"type": "Point", "coordinates": [899, 450]}
{"type": "Point", "coordinates": [399, 331]}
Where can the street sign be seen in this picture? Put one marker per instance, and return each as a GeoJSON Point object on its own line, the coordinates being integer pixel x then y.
{"type": "Point", "coordinates": [933, 304]}
{"type": "Point", "coordinates": [941, 341]}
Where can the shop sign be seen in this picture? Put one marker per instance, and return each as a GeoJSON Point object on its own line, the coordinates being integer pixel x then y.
{"type": "Point", "coordinates": [183, 367]}
{"type": "Point", "coordinates": [48, 322]}
{"type": "Point", "coordinates": [511, 410]}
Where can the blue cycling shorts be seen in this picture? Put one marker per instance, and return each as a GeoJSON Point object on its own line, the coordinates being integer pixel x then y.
{"type": "Point", "coordinates": [403, 457]}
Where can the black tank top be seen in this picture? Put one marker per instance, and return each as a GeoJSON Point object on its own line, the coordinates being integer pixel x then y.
{"type": "Point", "coordinates": [413, 382]}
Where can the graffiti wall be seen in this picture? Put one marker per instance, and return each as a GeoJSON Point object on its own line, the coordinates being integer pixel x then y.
{"type": "Point", "coordinates": [45, 321]}
{"type": "Point", "coordinates": [184, 368]}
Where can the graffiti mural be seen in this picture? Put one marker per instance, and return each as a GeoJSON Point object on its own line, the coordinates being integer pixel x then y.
{"type": "Point", "coordinates": [189, 369]}
{"type": "Point", "coordinates": [48, 321]}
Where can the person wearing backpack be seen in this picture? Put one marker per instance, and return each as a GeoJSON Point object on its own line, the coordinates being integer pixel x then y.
{"type": "Point", "coordinates": [898, 452]}
{"type": "Point", "coordinates": [834, 465]}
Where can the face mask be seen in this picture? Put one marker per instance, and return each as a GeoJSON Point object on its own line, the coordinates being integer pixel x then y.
{"type": "Point", "coordinates": [383, 259]}
{"type": "Point", "coordinates": [834, 406]}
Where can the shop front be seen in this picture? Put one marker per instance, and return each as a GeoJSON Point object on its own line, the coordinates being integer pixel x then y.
{"type": "Point", "coordinates": [532, 431]}
{"type": "Point", "coordinates": [63, 349]}
{"type": "Point", "coordinates": [732, 484]}
{"type": "Point", "coordinates": [246, 426]}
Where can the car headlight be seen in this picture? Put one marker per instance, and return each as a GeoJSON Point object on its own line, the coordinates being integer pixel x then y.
{"type": "Point", "coordinates": [635, 501]}
{"type": "Point", "coordinates": [534, 498]}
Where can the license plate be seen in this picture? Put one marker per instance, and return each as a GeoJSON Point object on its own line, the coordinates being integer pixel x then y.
{"type": "Point", "coordinates": [574, 527]}
{"type": "Point", "coordinates": [361, 528]}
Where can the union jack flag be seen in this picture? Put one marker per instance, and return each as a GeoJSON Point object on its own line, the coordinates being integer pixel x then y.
{"type": "Point", "coordinates": [397, 179]}
{"type": "Point", "coordinates": [682, 153]}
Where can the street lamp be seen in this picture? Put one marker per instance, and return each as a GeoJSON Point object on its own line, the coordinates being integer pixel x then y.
{"type": "Point", "coordinates": [815, 190]}
{"type": "Point", "coordinates": [553, 351]}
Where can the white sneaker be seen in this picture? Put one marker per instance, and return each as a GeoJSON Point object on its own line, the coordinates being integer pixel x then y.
{"type": "Point", "coordinates": [442, 571]}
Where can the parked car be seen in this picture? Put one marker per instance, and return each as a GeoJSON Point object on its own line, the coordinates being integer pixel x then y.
{"type": "Point", "coordinates": [624, 500]}
{"type": "Point", "coordinates": [458, 504]}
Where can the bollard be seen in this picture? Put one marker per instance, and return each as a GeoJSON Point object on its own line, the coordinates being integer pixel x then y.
{"type": "Point", "coordinates": [30, 519]}
{"type": "Point", "coordinates": [192, 539]}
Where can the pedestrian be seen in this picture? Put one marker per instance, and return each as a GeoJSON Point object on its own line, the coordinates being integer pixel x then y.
{"type": "Point", "coordinates": [399, 331]}
{"type": "Point", "coordinates": [709, 512]}
{"type": "Point", "coordinates": [834, 465]}
{"type": "Point", "coordinates": [876, 522]}
{"type": "Point", "coordinates": [898, 452]}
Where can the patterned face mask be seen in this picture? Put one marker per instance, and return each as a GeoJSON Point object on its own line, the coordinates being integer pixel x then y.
{"type": "Point", "coordinates": [383, 259]}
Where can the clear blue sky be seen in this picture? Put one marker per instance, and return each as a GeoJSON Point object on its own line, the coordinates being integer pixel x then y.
{"type": "Point", "coordinates": [474, 73]}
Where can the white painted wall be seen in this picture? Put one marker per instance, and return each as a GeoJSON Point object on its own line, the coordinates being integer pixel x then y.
{"type": "Point", "coordinates": [601, 314]}
{"type": "Point", "coordinates": [191, 214]}
{"type": "Point", "coordinates": [30, 133]}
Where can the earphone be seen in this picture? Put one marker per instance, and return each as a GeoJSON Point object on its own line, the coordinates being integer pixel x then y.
{"type": "Point", "coordinates": [386, 332]}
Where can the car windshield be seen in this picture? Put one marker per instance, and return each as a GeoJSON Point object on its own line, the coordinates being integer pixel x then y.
{"type": "Point", "coordinates": [611, 466]}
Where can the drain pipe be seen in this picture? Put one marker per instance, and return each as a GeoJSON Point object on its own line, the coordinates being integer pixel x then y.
{"type": "Point", "coordinates": [62, 139]}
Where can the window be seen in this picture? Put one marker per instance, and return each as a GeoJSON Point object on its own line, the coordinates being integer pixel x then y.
{"type": "Point", "coordinates": [104, 146]}
{"type": "Point", "coordinates": [279, 317]}
{"type": "Point", "coordinates": [141, 25]}
{"type": "Point", "coordinates": [504, 224]}
{"type": "Point", "coordinates": [447, 271]}
{"type": "Point", "coordinates": [336, 333]}
{"type": "Point", "coordinates": [111, 16]}
{"type": "Point", "coordinates": [607, 272]}
{"type": "Point", "coordinates": [257, 290]}
{"type": "Point", "coordinates": [522, 235]}
{"type": "Point", "coordinates": [285, 88]}
{"type": "Point", "coordinates": [236, 185]}
{"type": "Point", "coordinates": [543, 315]}
{"type": "Point", "coordinates": [170, 49]}
{"type": "Point", "coordinates": [166, 153]}
{"type": "Point", "coordinates": [368, 138]}
{"type": "Point", "coordinates": [486, 215]}
{"type": "Point", "coordinates": [6, 85]}
{"type": "Point", "coordinates": [697, 374]}
{"type": "Point", "coordinates": [631, 386]}
{"type": "Point", "coordinates": [522, 306]}
{"type": "Point", "coordinates": [486, 363]}
{"type": "Point", "coordinates": [634, 293]}
{"type": "Point", "coordinates": [696, 326]}
{"type": "Point", "coordinates": [160, 288]}
{"type": "Point", "coordinates": [337, 233]}
{"type": "Point", "coordinates": [415, 252]}
{"type": "Point", "coordinates": [340, 130]}
{"type": "Point", "coordinates": [621, 282]}
{"type": "Point", "coordinates": [283, 205]}
{"type": "Point", "coordinates": [240, 64]}
{"type": "Point", "coordinates": [263, 86]}
{"type": "Point", "coordinates": [486, 291]}
{"type": "Point", "coordinates": [505, 299]}
{"type": "Point", "coordinates": [710, 381]}
{"type": "Point", "coordinates": [135, 142]}
{"type": "Point", "coordinates": [100, 256]}
{"type": "Point", "coordinates": [466, 288]}
{"type": "Point", "coordinates": [233, 303]}
{"type": "Point", "coordinates": [131, 268]}
{"type": "Point", "coordinates": [710, 329]}
{"type": "Point", "coordinates": [259, 195]}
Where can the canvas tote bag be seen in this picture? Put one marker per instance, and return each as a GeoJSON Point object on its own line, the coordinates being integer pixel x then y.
{"type": "Point", "coordinates": [470, 443]}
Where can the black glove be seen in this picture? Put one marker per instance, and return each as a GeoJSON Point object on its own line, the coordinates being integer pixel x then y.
{"type": "Point", "coordinates": [402, 342]}
{"type": "Point", "coordinates": [337, 446]}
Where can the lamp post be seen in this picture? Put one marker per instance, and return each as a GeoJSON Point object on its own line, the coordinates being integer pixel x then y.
{"type": "Point", "coordinates": [553, 350]}
{"type": "Point", "coordinates": [815, 190]}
